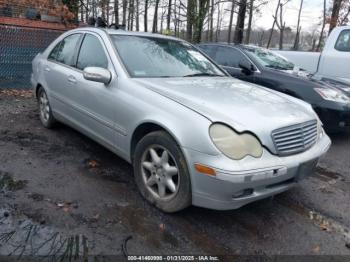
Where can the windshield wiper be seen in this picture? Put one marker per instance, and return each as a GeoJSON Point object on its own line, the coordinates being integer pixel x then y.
{"type": "Point", "coordinates": [202, 74]}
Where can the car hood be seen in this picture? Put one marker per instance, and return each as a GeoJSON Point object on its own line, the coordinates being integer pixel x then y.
{"type": "Point", "coordinates": [243, 106]}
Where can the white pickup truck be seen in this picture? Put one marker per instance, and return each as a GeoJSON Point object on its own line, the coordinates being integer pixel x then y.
{"type": "Point", "coordinates": [334, 61]}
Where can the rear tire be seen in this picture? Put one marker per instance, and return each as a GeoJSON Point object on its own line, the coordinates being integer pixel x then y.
{"type": "Point", "coordinates": [45, 112]}
{"type": "Point", "coordinates": [161, 172]}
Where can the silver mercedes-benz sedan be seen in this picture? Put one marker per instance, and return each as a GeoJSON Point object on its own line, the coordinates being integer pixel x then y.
{"type": "Point", "coordinates": [193, 134]}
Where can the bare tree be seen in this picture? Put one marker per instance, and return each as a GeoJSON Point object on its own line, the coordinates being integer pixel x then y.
{"type": "Point", "coordinates": [233, 5]}
{"type": "Point", "coordinates": [335, 14]}
{"type": "Point", "coordinates": [116, 12]}
{"type": "Point", "coordinates": [202, 9]}
{"type": "Point", "coordinates": [155, 18]}
{"type": "Point", "coordinates": [168, 18]}
{"type": "Point", "coordinates": [250, 20]}
{"type": "Point", "coordinates": [191, 4]}
{"type": "Point", "coordinates": [297, 35]}
{"type": "Point", "coordinates": [281, 24]}
{"type": "Point", "coordinates": [211, 21]}
{"type": "Point", "coordinates": [273, 24]}
{"type": "Point", "coordinates": [137, 15]}
{"type": "Point", "coordinates": [131, 15]}
{"type": "Point", "coordinates": [145, 17]}
{"type": "Point", "coordinates": [125, 3]}
{"type": "Point", "coordinates": [323, 25]}
{"type": "Point", "coordinates": [238, 37]}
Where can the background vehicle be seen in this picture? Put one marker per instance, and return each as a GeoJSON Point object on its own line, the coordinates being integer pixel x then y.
{"type": "Point", "coordinates": [193, 134]}
{"type": "Point", "coordinates": [263, 67]}
{"type": "Point", "coordinates": [332, 62]}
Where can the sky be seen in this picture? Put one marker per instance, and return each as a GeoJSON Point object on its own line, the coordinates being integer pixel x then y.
{"type": "Point", "coordinates": [310, 17]}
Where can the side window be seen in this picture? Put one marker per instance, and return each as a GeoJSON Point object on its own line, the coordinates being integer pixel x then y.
{"type": "Point", "coordinates": [65, 50]}
{"type": "Point", "coordinates": [55, 51]}
{"type": "Point", "coordinates": [343, 42]}
{"type": "Point", "coordinates": [91, 53]}
{"type": "Point", "coordinates": [208, 50]}
{"type": "Point", "coordinates": [228, 56]}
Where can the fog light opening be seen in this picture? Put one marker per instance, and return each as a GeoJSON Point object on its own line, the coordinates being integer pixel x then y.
{"type": "Point", "coordinates": [243, 193]}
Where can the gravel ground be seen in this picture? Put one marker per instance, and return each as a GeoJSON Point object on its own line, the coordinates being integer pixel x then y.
{"type": "Point", "coordinates": [61, 193]}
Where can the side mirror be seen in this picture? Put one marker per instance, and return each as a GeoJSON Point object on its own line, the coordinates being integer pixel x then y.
{"type": "Point", "coordinates": [97, 74]}
{"type": "Point", "coordinates": [247, 67]}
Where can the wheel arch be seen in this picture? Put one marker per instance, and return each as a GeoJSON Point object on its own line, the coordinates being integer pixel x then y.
{"type": "Point", "coordinates": [37, 87]}
{"type": "Point", "coordinates": [144, 129]}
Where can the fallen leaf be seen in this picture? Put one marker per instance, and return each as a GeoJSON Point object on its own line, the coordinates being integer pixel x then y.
{"type": "Point", "coordinates": [162, 227]}
{"type": "Point", "coordinates": [93, 164]}
{"type": "Point", "coordinates": [316, 249]}
{"type": "Point", "coordinates": [97, 216]}
{"type": "Point", "coordinates": [325, 226]}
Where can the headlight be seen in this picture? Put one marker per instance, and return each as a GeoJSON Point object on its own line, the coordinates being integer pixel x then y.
{"type": "Point", "coordinates": [233, 145]}
{"type": "Point", "coordinates": [333, 95]}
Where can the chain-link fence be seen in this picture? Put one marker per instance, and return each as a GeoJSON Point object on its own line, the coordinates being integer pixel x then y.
{"type": "Point", "coordinates": [24, 32]}
{"type": "Point", "coordinates": [18, 47]}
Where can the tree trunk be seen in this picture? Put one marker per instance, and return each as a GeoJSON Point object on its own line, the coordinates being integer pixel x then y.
{"type": "Point", "coordinates": [155, 18]}
{"type": "Point", "coordinates": [168, 18]}
{"type": "Point", "coordinates": [107, 11]}
{"type": "Point", "coordinates": [203, 8]}
{"type": "Point", "coordinates": [145, 16]}
{"type": "Point", "coordinates": [231, 20]}
{"type": "Point", "coordinates": [281, 37]}
{"type": "Point", "coordinates": [82, 13]}
{"type": "Point", "coordinates": [335, 14]}
{"type": "Point", "coordinates": [249, 29]}
{"type": "Point", "coordinates": [116, 12]}
{"type": "Point", "coordinates": [273, 25]}
{"type": "Point", "coordinates": [211, 24]}
{"type": "Point", "coordinates": [125, 3]}
{"type": "Point", "coordinates": [323, 25]}
{"type": "Point", "coordinates": [238, 38]}
{"type": "Point", "coordinates": [137, 14]}
{"type": "Point", "coordinates": [189, 15]}
{"type": "Point", "coordinates": [132, 13]}
{"type": "Point", "coordinates": [297, 36]}
{"type": "Point", "coordinates": [217, 33]}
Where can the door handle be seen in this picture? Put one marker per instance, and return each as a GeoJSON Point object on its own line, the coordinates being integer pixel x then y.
{"type": "Point", "coordinates": [47, 69]}
{"type": "Point", "coordinates": [71, 79]}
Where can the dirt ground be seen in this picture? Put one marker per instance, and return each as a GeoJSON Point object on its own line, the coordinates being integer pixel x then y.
{"type": "Point", "coordinates": [63, 194]}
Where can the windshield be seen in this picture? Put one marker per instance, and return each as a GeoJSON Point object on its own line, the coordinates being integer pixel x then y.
{"type": "Point", "coordinates": [269, 59]}
{"type": "Point", "coordinates": [159, 57]}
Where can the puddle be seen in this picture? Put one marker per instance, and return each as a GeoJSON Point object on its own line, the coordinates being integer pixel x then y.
{"type": "Point", "coordinates": [21, 236]}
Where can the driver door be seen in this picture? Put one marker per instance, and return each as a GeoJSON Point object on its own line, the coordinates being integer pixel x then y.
{"type": "Point", "coordinates": [94, 102]}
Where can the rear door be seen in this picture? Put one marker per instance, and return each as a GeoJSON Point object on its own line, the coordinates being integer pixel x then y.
{"type": "Point", "coordinates": [57, 70]}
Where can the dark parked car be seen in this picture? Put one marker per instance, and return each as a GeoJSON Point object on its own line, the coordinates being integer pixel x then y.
{"type": "Point", "coordinates": [266, 68]}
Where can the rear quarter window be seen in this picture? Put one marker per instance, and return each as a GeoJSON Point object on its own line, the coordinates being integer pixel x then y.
{"type": "Point", "coordinates": [343, 41]}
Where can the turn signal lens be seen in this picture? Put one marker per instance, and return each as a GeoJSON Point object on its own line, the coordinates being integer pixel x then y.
{"type": "Point", "coordinates": [205, 170]}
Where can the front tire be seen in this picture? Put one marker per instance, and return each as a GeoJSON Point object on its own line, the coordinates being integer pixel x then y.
{"type": "Point", "coordinates": [46, 117]}
{"type": "Point", "coordinates": [161, 172]}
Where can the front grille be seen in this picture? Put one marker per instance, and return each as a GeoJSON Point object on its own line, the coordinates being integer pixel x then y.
{"type": "Point", "coordinates": [295, 139]}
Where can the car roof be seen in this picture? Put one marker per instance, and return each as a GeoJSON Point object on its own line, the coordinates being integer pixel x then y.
{"type": "Point", "coordinates": [111, 31]}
